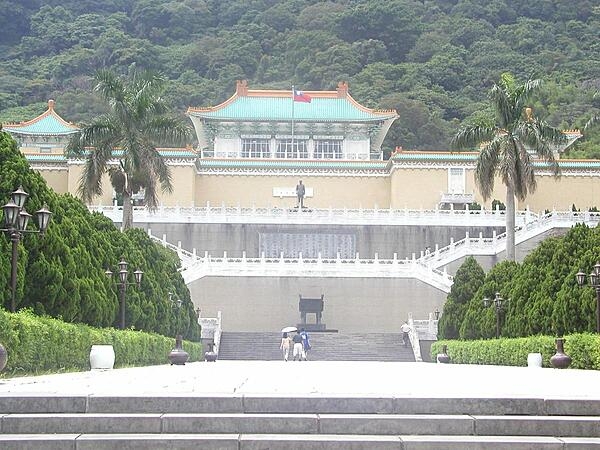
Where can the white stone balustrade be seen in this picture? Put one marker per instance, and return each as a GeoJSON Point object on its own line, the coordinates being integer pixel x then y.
{"type": "Point", "coordinates": [425, 268]}
{"type": "Point", "coordinates": [471, 246]}
{"type": "Point", "coordinates": [209, 265]}
{"type": "Point", "coordinates": [329, 216]}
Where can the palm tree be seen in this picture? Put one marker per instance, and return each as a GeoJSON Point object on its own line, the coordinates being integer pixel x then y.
{"type": "Point", "coordinates": [509, 146]}
{"type": "Point", "coordinates": [136, 124]}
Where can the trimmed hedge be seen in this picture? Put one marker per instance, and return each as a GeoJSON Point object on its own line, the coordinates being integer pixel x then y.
{"type": "Point", "coordinates": [583, 348]}
{"type": "Point", "coordinates": [42, 344]}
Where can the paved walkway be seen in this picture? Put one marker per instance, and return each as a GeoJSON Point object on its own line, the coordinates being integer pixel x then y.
{"type": "Point", "coordinates": [318, 378]}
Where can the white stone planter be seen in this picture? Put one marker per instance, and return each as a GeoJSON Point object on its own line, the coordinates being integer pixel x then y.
{"type": "Point", "coordinates": [534, 360]}
{"type": "Point", "coordinates": [102, 357]}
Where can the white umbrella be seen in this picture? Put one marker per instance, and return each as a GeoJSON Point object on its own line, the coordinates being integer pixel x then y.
{"type": "Point", "coordinates": [289, 329]}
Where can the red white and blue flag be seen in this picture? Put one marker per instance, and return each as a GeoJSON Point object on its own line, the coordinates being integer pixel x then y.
{"type": "Point", "coordinates": [300, 96]}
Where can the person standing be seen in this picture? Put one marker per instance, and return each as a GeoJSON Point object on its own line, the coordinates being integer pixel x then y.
{"type": "Point", "coordinates": [305, 344]}
{"type": "Point", "coordinates": [297, 352]}
{"type": "Point", "coordinates": [285, 346]}
{"type": "Point", "coordinates": [300, 191]}
{"type": "Point", "coordinates": [405, 328]}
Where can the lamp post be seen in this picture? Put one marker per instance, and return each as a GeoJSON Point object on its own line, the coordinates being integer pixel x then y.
{"type": "Point", "coordinates": [177, 355]}
{"type": "Point", "coordinates": [594, 281]}
{"type": "Point", "coordinates": [15, 225]}
{"type": "Point", "coordinates": [176, 302]}
{"type": "Point", "coordinates": [123, 283]}
{"type": "Point", "coordinates": [498, 302]}
{"type": "Point", "coordinates": [436, 314]}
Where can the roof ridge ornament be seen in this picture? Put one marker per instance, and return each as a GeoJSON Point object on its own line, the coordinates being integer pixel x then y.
{"type": "Point", "coordinates": [51, 105]}
{"type": "Point", "coordinates": [342, 89]}
{"type": "Point", "coordinates": [241, 88]}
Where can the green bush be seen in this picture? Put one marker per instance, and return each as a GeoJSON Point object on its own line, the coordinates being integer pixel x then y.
{"type": "Point", "coordinates": [583, 348]}
{"type": "Point", "coordinates": [43, 344]}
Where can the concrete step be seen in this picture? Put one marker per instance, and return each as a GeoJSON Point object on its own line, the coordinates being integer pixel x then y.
{"type": "Point", "coordinates": [325, 347]}
{"type": "Point", "coordinates": [343, 424]}
{"type": "Point", "coordinates": [290, 441]}
{"type": "Point", "coordinates": [293, 404]}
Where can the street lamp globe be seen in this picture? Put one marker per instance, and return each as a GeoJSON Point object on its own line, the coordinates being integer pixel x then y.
{"type": "Point", "coordinates": [43, 217]}
{"type": "Point", "coordinates": [11, 214]}
{"type": "Point", "coordinates": [19, 196]}
{"type": "Point", "coordinates": [24, 217]}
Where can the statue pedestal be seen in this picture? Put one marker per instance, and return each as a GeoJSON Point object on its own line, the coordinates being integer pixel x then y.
{"type": "Point", "coordinates": [312, 326]}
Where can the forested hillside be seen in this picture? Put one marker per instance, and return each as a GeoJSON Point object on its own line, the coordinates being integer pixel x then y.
{"type": "Point", "coordinates": [432, 60]}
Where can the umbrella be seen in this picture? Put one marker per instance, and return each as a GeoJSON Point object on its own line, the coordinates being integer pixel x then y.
{"type": "Point", "coordinates": [289, 329]}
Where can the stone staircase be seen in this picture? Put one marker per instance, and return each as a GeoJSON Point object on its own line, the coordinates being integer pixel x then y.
{"type": "Point", "coordinates": [277, 422]}
{"type": "Point", "coordinates": [325, 347]}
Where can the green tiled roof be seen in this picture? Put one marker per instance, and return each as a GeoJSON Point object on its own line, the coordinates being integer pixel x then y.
{"type": "Point", "coordinates": [49, 125]}
{"type": "Point", "coordinates": [278, 108]}
{"type": "Point", "coordinates": [45, 157]}
{"type": "Point", "coordinates": [472, 157]}
{"type": "Point", "coordinates": [292, 164]}
{"type": "Point", "coordinates": [434, 156]}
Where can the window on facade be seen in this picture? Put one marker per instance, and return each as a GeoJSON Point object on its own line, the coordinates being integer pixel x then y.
{"type": "Point", "coordinates": [328, 149]}
{"type": "Point", "coordinates": [255, 148]}
{"type": "Point", "coordinates": [288, 148]}
{"type": "Point", "coordinates": [456, 180]}
{"type": "Point", "coordinates": [45, 149]}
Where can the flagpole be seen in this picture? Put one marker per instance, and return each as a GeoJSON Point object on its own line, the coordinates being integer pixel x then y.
{"type": "Point", "coordinates": [293, 91]}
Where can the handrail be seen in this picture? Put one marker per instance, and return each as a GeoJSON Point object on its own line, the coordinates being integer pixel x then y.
{"type": "Point", "coordinates": [387, 216]}
{"type": "Point", "coordinates": [425, 268]}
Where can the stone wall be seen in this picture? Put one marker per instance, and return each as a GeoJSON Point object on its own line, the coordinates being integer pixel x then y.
{"type": "Point", "coordinates": [351, 304]}
{"type": "Point", "coordinates": [385, 240]}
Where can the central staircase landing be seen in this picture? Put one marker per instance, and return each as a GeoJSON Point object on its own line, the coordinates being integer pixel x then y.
{"type": "Point", "coordinates": [259, 346]}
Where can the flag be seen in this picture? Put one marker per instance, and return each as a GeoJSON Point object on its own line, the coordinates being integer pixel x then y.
{"type": "Point", "coordinates": [300, 96]}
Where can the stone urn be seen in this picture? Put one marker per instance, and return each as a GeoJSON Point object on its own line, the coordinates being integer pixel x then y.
{"type": "Point", "coordinates": [560, 360]}
{"type": "Point", "coordinates": [443, 357]}
{"type": "Point", "coordinates": [102, 357]}
{"type": "Point", "coordinates": [3, 357]}
{"type": "Point", "coordinates": [210, 355]}
{"type": "Point", "coordinates": [178, 355]}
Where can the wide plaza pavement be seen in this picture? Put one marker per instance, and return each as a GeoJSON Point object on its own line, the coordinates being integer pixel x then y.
{"type": "Point", "coordinates": [318, 378]}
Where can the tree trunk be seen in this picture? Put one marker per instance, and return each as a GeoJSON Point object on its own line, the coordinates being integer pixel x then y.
{"type": "Point", "coordinates": [127, 211]}
{"type": "Point", "coordinates": [510, 223]}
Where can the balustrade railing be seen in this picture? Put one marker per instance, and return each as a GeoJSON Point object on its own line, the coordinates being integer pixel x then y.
{"type": "Point", "coordinates": [425, 267]}
{"type": "Point", "coordinates": [238, 214]}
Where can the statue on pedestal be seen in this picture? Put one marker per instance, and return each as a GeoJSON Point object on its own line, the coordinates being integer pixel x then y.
{"type": "Point", "coordinates": [300, 191]}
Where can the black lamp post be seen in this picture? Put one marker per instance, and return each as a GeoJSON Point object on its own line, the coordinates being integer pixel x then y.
{"type": "Point", "coordinates": [123, 283]}
{"type": "Point", "coordinates": [176, 302]}
{"type": "Point", "coordinates": [594, 281]}
{"type": "Point", "coordinates": [15, 225]}
{"type": "Point", "coordinates": [177, 355]}
{"type": "Point", "coordinates": [498, 302]}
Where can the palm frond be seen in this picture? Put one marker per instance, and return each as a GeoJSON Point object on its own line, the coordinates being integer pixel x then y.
{"type": "Point", "coordinates": [486, 167]}
{"type": "Point", "coordinates": [592, 122]}
{"type": "Point", "coordinates": [471, 137]}
{"type": "Point", "coordinates": [500, 99]}
{"type": "Point", "coordinates": [168, 131]}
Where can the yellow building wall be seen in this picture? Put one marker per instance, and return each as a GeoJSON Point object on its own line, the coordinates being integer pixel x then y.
{"type": "Point", "coordinates": [257, 190]}
{"type": "Point", "coordinates": [416, 188]}
{"type": "Point", "coordinates": [583, 191]}
{"type": "Point", "coordinates": [57, 179]}
{"type": "Point", "coordinates": [75, 171]}
{"type": "Point", "coordinates": [183, 180]}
